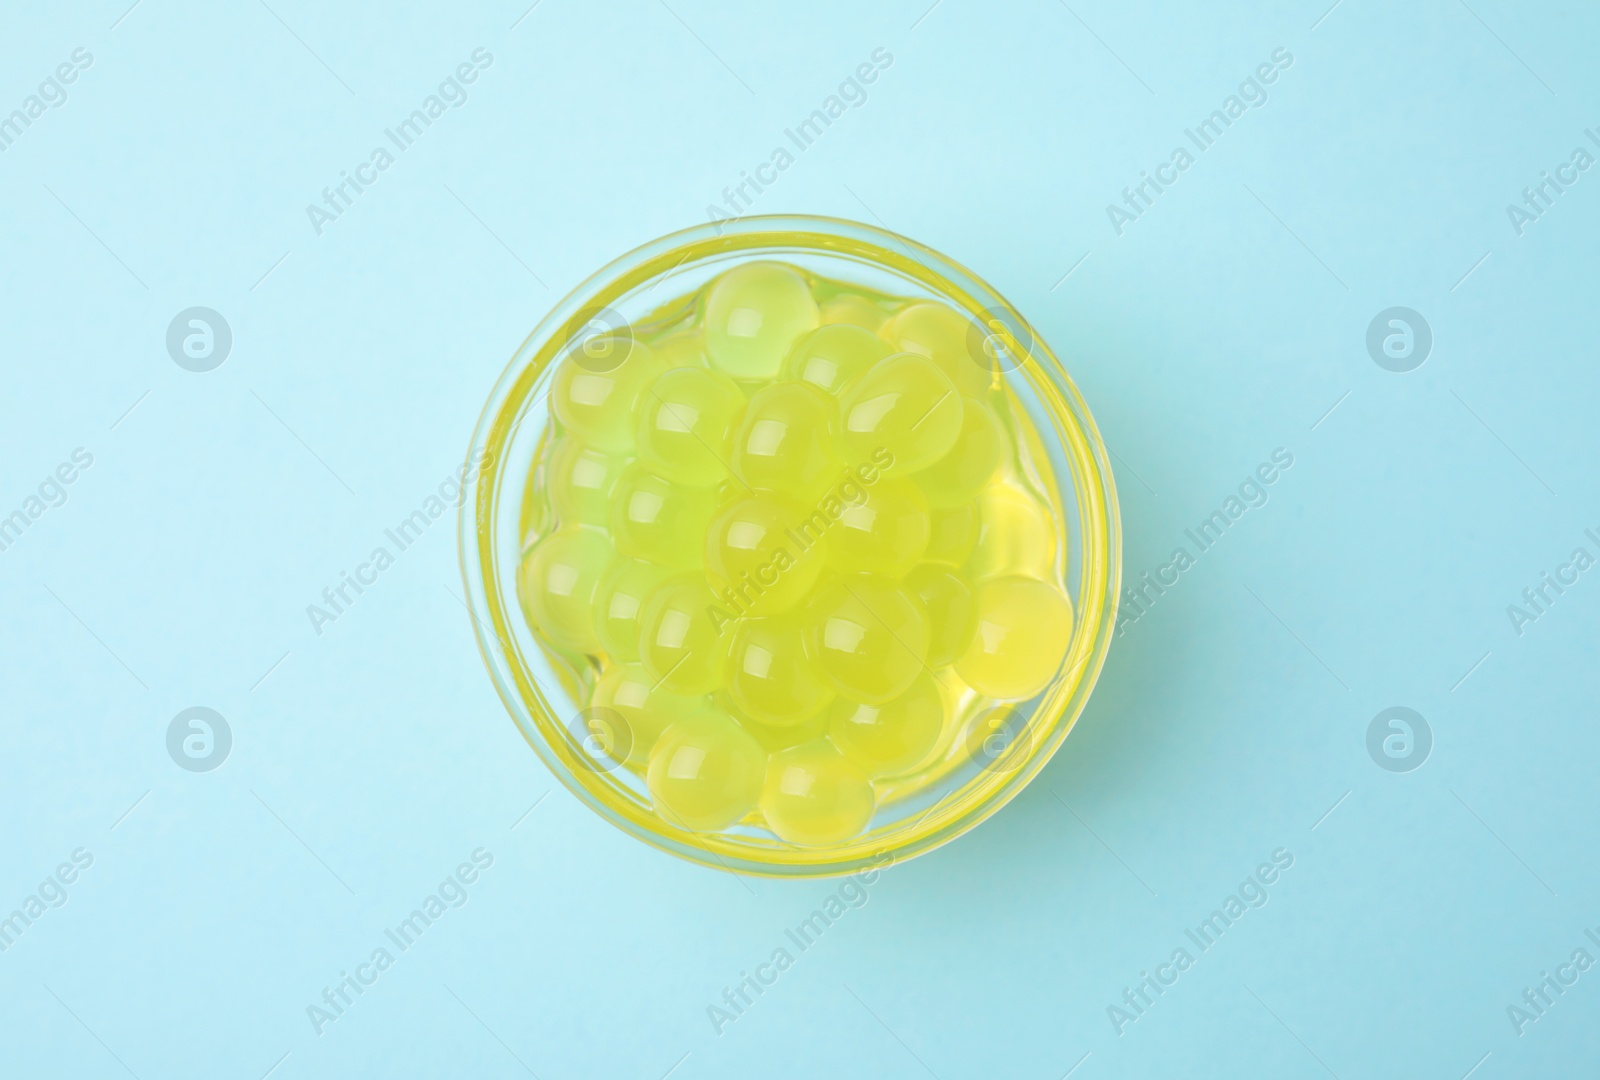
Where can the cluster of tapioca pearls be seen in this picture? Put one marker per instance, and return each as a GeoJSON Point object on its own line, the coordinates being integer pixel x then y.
{"type": "Point", "coordinates": [779, 530]}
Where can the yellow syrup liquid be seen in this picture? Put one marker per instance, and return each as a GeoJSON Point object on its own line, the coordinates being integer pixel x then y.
{"type": "Point", "coordinates": [790, 533]}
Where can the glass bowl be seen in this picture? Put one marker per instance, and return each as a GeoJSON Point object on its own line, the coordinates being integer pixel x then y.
{"type": "Point", "coordinates": [991, 753]}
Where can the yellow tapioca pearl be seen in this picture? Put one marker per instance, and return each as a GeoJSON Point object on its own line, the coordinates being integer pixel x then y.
{"type": "Point", "coordinates": [680, 639]}
{"type": "Point", "coordinates": [597, 388]}
{"type": "Point", "coordinates": [889, 738]}
{"type": "Point", "coordinates": [786, 441]}
{"type": "Point", "coordinates": [645, 709]}
{"type": "Point", "coordinates": [1015, 535]}
{"type": "Point", "coordinates": [884, 532]}
{"type": "Point", "coordinates": [852, 310]}
{"type": "Point", "coordinates": [814, 795]}
{"type": "Point", "coordinates": [619, 601]}
{"type": "Point", "coordinates": [906, 406]}
{"type": "Point", "coordinates": [952, 613]}
{"type": "Point", "coordinates": [937, 331]}
{"type": "Point", "coordinates": [758, 560]}
{"type": "Point", "coordinates": [771, 737]}
{"type": "Point", "coordinates": [680, 350]}
{"type": "Point", "coordinates": [705, 771]}
{"type": "Point", "coordinates": [956, 478]}
{"type": "Point", "coordinates": [1024, 627]}
{"type": "Point", "coordinates": [832, 357]}
{"type": "Point", "coordinates": [659, 521]}
{"type": "Point", "coordinates": [580, 481]}
{"type": "Point", "coordinates": [754, 313]}
{"type": "Point", "coordinates": [684, 420]}
{"type": "Point", "coordinates": [868, 636]}
{"type": "Point", "coordinates": [769, 676]}
{"type": "Point", "coordinates": [952, 533]}
{"type": "Point", "coordinates": [556, 584]}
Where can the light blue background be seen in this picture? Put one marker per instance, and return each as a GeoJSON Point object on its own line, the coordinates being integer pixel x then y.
{"type": "Point", "coordinates": [373, 758]}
